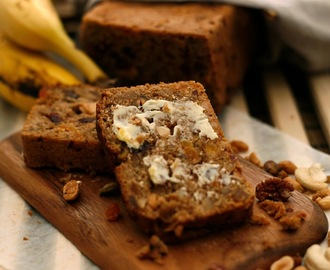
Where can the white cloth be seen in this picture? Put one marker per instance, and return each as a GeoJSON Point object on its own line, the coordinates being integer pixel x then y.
{"type": "Point", "coordinates": [300, 32]}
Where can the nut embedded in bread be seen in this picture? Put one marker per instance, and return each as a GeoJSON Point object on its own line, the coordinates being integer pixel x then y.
{"type": "Point", "coordinates": [176, 169]}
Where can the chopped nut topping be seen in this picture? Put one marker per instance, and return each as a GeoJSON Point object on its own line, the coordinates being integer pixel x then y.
{"type": "Point", "coordinates": [293, 220]}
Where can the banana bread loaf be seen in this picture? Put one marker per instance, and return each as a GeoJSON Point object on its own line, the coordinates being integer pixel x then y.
{"type": "Point", "coordinates": [176, 170]}
{"type": "Point", "coordinates": [142, 43]}
{"type": "Point", "coordinates": [60, 130]}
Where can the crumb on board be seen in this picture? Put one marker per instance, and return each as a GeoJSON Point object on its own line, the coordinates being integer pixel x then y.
{"type": "Point", "coordinates": [155, 250]}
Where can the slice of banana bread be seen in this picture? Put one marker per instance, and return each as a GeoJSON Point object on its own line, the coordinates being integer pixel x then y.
{"type": "Point", "coordinates": [60, 130]}
{"type": "Point", "coordinates": [142, 43]}
{"type": "Point", "coordinates": [176, 169]}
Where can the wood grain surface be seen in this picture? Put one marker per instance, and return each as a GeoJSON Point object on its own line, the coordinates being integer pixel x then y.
{"type": "Point", "coordinates": [113, 245]}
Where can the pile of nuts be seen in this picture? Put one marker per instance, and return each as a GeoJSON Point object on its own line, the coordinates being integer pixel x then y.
{"type": "Point", "coordinates": [313, 182]}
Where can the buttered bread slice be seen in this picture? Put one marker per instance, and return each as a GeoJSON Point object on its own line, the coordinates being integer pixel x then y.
{"type": "Point", "coordinates": [176, 169]}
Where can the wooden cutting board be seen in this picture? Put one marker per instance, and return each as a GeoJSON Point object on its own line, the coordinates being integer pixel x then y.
{"type": "Point", "coordinates": [113, 245]}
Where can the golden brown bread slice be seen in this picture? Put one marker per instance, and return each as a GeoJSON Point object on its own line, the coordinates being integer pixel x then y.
{"type": "Point", "coordinates": [176, 168]}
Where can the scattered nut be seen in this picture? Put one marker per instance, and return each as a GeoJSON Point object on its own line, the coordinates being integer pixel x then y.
{"type": "Point", "coordinates": [71, 190]}
{"type": "Point", "coordinates": [239, 146]}
{"type": "Point", "coordinates": [274, 209]}
{"type": "Point", "coordinates": [271, 167]}
{"type": "Point", "coordinates": [324, 202]}
{"type": "Point", "coordinates": [317, 173]}
{"type": "Point", "coordinates": [327, 253]}
{"type": "Point", "coordinates": [292, 220]}
{"type": "Point", "coordinates": [288, 166]}
{"type": "Point", "coordinates": [284, 263]}
{"type": "Point", "coordinates": [294, 183]}
{"type": "Point", "coordinates": [312, 178]}
{"type": "Point", "coordinates": [315, 259]}
{"type": "Point", "coordinates": [321, 194]}
{"type": "Point", "coordinates": [300, 267]}
{"type": "Point", "coordinates": [281, 174]}
{"type": "Point", "coordinates": [253, 158]}
{"type": "Point", "coordinates": [274, 189]}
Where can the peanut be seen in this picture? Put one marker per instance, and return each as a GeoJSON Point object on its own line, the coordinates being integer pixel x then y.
{"type": "Point", "coordinates": [288, 166]}
{"type": "Point", "coordinates": [253, 158]}
{"type": "Point", "coordinates": [284, 263]}
{"type": "Point", "coordinates": [71, 190]}
{"type": "Point", "coordinates": [239, 146]}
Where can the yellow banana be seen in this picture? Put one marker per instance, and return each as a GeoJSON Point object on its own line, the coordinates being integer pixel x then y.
{"type": "Point", "coordinates": [36, 25]}
{"type": "Point", "coordinates": [23, 73]}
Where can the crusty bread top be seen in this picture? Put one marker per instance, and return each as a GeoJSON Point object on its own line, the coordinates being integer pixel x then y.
{"type": "Point", "coordinates": [185, 18]}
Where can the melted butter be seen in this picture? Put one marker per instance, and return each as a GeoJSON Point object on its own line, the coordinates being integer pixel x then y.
{"type": "Point", "coordinates": [186, 116]}
{"type": "Point", "coordinates": [160, 171]}
{"type": "Point", "coordinates": [206, 173]}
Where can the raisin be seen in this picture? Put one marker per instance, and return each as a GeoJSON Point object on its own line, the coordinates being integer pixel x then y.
{"type": "Point", "coordinates": [87, 120]}
{"type": "Point", "coordinates": [55, 118]}
{"type": "Point", "coordinates": [112, 212]}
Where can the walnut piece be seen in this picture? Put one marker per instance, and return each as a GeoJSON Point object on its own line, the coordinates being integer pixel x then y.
{"type": "Point", "coordinates": [274, 189]}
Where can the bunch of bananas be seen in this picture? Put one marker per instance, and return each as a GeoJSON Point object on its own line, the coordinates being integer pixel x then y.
{"type": "Point", "coordinates": [28, 30]}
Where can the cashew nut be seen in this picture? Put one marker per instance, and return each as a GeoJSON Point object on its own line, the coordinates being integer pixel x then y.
{"type": "Point", "coordinates": [315, 259]}
{"type": "Point", "coordinates": [317, 173]}
{"type": "Point", "coordinates": [284, 263]}
{"type": "Point", "coordinates": [327, 253]}
{"type": "Point", "coordinates": [324, 202]}
{"type": "Point", "coordinates": [312, 178]}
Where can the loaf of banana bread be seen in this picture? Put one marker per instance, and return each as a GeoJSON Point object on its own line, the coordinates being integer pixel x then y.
{"type": "Point", "coordinates": [142, 43]}
{"type": "Point", "coordinates": [60, 130]}
{"type": "Point", "coordinates": [176, 169]}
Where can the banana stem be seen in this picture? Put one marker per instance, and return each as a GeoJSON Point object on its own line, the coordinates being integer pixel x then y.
{"type": "Point", "coordinates": [82, 62]}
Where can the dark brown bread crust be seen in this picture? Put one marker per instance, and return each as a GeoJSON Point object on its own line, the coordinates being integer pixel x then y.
{"type": "Point", "coordinates": [171, 207]}
{"type": "Point", "coordinates": [60, 130]}
{"type": "Point", "coordinates": [167, 42]}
